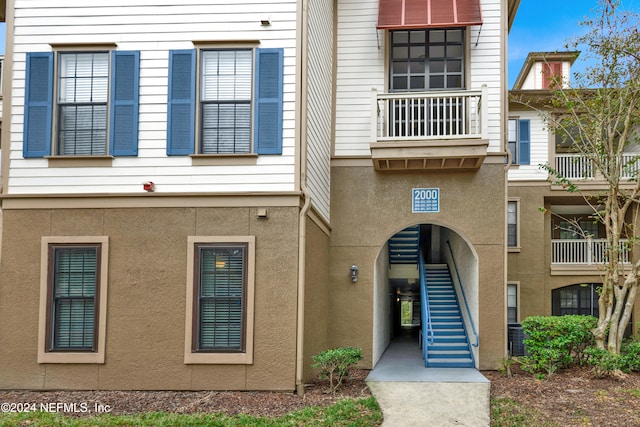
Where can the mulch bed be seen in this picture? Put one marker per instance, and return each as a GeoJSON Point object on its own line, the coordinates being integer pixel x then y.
{"type": "Point", "coordinates": [573, 397]}
{"type": "Point", "coordinates": [259, 403]}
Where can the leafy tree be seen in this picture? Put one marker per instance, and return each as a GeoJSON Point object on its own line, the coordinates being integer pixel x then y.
{"type": "Point", "coordinates": [598, 116]}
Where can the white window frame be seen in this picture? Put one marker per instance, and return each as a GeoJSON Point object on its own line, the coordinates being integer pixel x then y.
{"type": "Point", "coordinates": [61, 49]}
{"type": "Point", "coordinates": [201, 102]}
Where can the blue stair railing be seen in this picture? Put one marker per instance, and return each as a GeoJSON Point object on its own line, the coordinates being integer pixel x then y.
{"type": "Point", "coordinates": [464, 297]}
{"type": "Point", "coordinates": [425, 313]}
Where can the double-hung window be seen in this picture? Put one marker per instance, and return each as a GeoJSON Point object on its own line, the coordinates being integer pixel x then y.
{"type": "Point", "coordinates": [220, 300]}
{"type": "Point", "coordinates": [83, 92]}
{"type": "Point", "coordinates": [73, 300]}
{"type": "Point", "coordinates": [225, 101]}
{"type": "Point", "coordinates": [81, 103]}
{"type": "Point", "coordinates": [520, 141]}
{"type": "Point", "coordinates": [74, 282]}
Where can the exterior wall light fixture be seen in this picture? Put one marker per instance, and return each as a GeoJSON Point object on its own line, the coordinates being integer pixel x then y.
{"type": "Point", "coordinates": [354, 273]}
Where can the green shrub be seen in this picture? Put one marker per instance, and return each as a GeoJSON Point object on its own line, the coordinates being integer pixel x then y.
{"type": "Point", "coordinates": [631, 355]}
{"type": "Point", "coordinates": [604, 362]}
{"type": "Point", "coordinates": [334, 364]}
{"type": "Point", "coordinates": [555, 342]}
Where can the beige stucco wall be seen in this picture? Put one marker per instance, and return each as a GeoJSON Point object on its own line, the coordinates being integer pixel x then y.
{"type": "Point", "coordinates": [316, 305]}
{"type": "Point", "coordinates": [146, 298]}
{"type": "Point", "coordinates": [368, 207]}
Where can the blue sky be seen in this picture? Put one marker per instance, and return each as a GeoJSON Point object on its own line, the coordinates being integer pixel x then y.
{"type": "Point", "coordinates": [546, 26]}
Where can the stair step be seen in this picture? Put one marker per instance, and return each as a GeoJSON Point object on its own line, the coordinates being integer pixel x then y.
{"type": "Point", "coordinates": [444, 312]}
{"type": "Point", "coordinates": [448, 346]}
{"type": "Point", "coordinates": [449, 355]}
{"type": "Point", "coordinates": [444, 317]}
{"type": "Point", "coordinates": [450, 340]}
{"type": "Point", "coordinates": [445, 324]}
{"type": "Point", "coordinates": [450, 363]}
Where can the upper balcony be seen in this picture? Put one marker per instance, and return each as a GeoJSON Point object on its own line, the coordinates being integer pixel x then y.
{"type": "Point", "coordinates": [429, 130]}
{"type": "Point", "coordinates": [584, 256]}
{"type": "Point", "coordinates": [579, 167]}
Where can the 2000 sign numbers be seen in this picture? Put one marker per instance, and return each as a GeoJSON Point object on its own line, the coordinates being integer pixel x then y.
{"type": "Point", "coordinates": [425, 194]}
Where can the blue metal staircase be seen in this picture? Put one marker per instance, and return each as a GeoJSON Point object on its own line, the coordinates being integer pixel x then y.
{"type": "Point", "coordinates": [448, 346]}
{"type": "Point", "coordinates": [445, 342]}
{"type": "Point", "coordinates": [404, 246]}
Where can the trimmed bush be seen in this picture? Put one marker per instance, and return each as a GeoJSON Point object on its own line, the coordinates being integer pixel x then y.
{"type": "Point", "coordinates": [631, 355]}
{"type": "Point", "coordinates": [604, 362]}
{"type": "Point", "coordinates": [334, 364]}
{"type": "Point", "coordinates": [556, 342]}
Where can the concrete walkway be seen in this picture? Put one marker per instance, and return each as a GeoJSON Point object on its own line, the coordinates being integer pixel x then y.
{"type": "Point", "coordinates": [412, 395]}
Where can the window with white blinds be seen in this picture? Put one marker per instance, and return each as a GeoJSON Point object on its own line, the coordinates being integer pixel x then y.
{"type": "Point", "coordinates": [512, 303]}
{"type": "Point", "coordinates": [83, 93]}
{"type": "Point", "coordinates": [74, 291]}
{"type": "Point", "coordinates": [221, 283]}
{"type": "Point", "coordinates": [512, 224]}
{"type": "Point", "coordinates": [225, 94]}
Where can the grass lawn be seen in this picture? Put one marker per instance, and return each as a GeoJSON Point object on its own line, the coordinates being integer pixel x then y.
{"type": "Point", "coordinates": [347, 412]}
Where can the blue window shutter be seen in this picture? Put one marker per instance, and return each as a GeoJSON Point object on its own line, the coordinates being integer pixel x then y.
{"type": "Point", "coordinates": [38, 104]}
{"type": "Point", "coordinates": [181, 102]}
{"type": "Point", "coordinates": [268, 102]}
{"type": "Point", "coordinates": [123, 132]}
{"type": "Point", "coordinates": [524, 142]}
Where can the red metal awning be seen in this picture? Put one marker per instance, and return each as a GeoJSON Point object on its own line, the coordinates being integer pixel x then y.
{"type": "Point", "coordinates": [399, 14]}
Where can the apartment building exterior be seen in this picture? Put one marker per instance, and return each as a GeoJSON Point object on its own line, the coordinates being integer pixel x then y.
{"type": "Point", "coordinates": [202, 195]}
{"type": "Point", "coordinates": [555, 247]}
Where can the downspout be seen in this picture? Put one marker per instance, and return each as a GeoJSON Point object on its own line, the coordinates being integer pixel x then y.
{"type": "Point", "coordinates": [302, 223]}
{"type": "Point", "coordinates": [302, 239]}
{"type": "Point", "coordinates": [507, 19]}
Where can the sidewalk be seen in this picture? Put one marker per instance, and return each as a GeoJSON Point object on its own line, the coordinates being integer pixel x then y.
{"type": "Point", "coordinates": [411, 395]}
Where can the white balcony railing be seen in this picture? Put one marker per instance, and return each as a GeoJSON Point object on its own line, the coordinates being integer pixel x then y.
{"type": "Point", "coordinates": [577, 166]}
{"type": "Point", "coordinates": [584, 251]}
{"type": "Point", "coordinates": [429, 115]}
{"type": "Point", "coordinates": [574, 166]}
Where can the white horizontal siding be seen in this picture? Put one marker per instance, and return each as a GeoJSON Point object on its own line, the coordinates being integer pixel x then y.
{"type": "Point", "coordinates": [361, 67]}
{"type": "Point", "coordinates": [153, 27]}
{"type": "Point", "coordinates": [320, 103]}
{"type": "Point", "coordinates": [486, 69]}
{"type": "Point", "coordinates": [539, 150]}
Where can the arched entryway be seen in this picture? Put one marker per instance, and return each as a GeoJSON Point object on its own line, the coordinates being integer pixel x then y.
{"type": "Point", "coordinates": [426, 291]}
